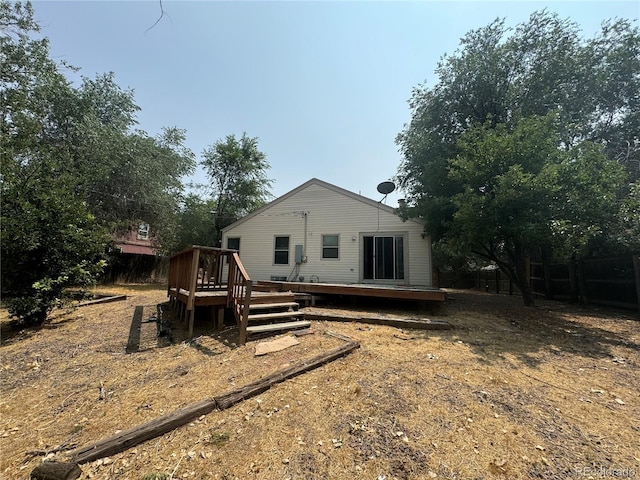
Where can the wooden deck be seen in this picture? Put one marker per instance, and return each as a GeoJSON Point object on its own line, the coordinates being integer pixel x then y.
{"type": "Point", "coordinates": [217, 297]}
{"type": "Point", "coordinates": [357, 290]}
{"type": "Point", "coordinates": [215, 278]}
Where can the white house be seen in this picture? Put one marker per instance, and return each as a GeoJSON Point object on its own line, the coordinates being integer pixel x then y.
{"type": "Point", "coordinates": [319, 232]}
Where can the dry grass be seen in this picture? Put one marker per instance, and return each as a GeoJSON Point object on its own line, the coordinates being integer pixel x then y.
{"type": "Point", "coordinates": [510, 393]}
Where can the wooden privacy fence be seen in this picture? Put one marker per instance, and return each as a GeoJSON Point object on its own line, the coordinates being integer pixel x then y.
{"type": "Point", "coordinates": [611, 281]}
{"type": "Point", "coordinates": [488, 279]}
{"type": "Point", "coordinates": [198, 273]}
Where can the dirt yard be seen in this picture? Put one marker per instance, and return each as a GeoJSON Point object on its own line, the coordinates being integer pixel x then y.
{"type": "Point", "coordinates": [511, 392]}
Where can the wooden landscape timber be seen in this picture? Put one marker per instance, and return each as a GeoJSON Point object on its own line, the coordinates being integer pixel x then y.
{"type": "Point", "coordinates": [161, 425]}
{"type": "Point", "coordinates": [112, 298]}
{"type": "Point", "coordinates": [134, 436]}
{"type": "Point", "coordinates": [229, 399]}
{"type": "Point", "coordinates": [390, 322]}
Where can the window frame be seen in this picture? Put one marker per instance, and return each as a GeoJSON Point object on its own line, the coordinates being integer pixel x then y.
{"type": "Point", "coordinates": [226, 258]}
{"type": "Point", "coordinates": [277, 250]}
{"type": "Point", "coordinates": [335, 247]}
{"type": "Point", "coordinates": [370, 263]}
{"type": "Point", "coordinates": [233, 238]}
{"type": "Point", "coordinates": [143, 231]}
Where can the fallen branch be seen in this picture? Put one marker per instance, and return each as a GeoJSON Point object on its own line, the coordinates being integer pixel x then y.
{"type": "Point", "coordinates": [548, 383]}
{"type": "Point", "coordinates": [134, 436]}
{"type": "Point", "coordinates": [341, 336]}
{"type": "Point", "coordinates": [59, 448]}
{"type": "Point", "coordinates": [62, 406]}
{"type": "Point", "coordinates": [402, 337]}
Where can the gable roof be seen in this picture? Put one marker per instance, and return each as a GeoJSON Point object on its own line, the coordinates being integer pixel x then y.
{"type": "Point", "coordinates": [328, 186]}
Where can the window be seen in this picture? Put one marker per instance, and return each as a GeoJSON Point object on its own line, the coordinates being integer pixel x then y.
{"type": "Point", "coordinates": [330, 246]}
{"type": "Point", "coordinates": [233, 243]}
{"type": "Point", "coordinates": [143, 231]}
{"type": "Point", "coordinates": [281, 255]}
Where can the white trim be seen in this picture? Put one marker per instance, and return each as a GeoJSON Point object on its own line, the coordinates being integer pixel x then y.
{"type": "Point", "coordinates": [323, 246]}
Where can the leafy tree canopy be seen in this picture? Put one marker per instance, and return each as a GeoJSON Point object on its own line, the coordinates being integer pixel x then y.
{"type": "Point", "coordinates": [73, 169]}
{"type": "Point", "coordinates": [523, 144]}
{"type": "Point", "coordinates": [237, 171]}
{"type": "Point", "coordinates": [196, 222]}
{"type": "Point", "coordinates": [521, 194]}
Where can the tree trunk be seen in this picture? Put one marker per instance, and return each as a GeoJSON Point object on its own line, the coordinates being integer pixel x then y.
{"type": "Point", "coordinates": [522, 282]}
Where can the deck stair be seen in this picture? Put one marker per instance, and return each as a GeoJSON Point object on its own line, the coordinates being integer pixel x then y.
{"type": "Point", "coordinates": [268, 317]}
{"type": "Point", "coordinates": [215, 278]}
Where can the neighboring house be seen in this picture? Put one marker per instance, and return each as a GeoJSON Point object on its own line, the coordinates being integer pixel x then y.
{"type": "Point", "coordinates": [136, 242]}
{"type": "Point", "coordinates": [319, 232]}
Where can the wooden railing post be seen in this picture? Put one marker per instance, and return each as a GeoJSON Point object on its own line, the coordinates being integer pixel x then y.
{"type": "Point", "coordinates": [215, 268]}
{"type": "Point", "coordinates": [231, 278]}
{"type": "Point", "coordinates": [195, 266]}
{"type": "Point", "coordinates": [245, 312]}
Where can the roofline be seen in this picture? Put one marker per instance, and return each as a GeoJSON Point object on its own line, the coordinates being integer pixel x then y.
{"type": "Point", "coordinates": [322, 183]}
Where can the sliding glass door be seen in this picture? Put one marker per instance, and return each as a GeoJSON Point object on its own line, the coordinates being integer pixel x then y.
{"type": "Point", "coordinates": [383, 257]}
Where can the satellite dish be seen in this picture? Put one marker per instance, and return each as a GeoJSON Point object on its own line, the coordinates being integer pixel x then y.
{"type": "Point", "coordinates": [385, 188]}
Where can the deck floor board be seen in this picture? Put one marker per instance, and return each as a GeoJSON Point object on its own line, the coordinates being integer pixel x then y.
{"type": "Point", "coordinates": [219, 297]}
{"type": "Point", "coordinates": [360, 290]}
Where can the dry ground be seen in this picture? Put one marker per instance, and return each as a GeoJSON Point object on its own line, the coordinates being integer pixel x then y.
{"type": "Point", "coordinates": [549, 392]}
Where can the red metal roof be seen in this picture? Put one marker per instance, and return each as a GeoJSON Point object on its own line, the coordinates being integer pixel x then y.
{"type": "Point", "coordinates": [136, 249]}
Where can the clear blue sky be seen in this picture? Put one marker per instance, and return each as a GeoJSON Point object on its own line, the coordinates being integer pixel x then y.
{"type": "Point", "coordinates": [324, 85]}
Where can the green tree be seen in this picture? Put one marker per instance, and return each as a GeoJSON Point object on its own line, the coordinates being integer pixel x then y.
{"type": "Point", "coordinates": [629, 219]}
{"type": "Point", "coordinates": [49, 238]}
{"type": "Point", "coordinates": [72, 169]}
{"type": "Point", "coordinates": [142, 182]}
{"type": "Point", "coordinates": [128, 177]}
{"type": "Point", "coordinates": [520, 194]}
{"type": "Point", "coordinates": [196, 222]}
{"type": "Point", "coordinates": [237, 171]}
{"type": "Point", "coordinates": [504, 79]}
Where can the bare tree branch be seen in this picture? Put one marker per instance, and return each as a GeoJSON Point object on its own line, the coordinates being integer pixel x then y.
{"type": "Point", "coordinates": [159, 18]}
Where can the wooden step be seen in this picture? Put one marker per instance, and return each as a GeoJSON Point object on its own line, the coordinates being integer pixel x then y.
{"type": "Point", "coordinates": [273, 327]}
{"type": "Point", "coordinates": [261, 306]}
{"type": "Point", "coordinates": [275, 297]}
{"type": "Point", "coordinates": [273, 316]}
{"type": "Point", "coordinates": [258, 287]}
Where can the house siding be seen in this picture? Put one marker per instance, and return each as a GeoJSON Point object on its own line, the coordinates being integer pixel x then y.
{"type": "Point", "coordinates": [327, 212]}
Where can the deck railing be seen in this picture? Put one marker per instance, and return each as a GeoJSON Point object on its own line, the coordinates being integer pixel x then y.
{"type": "Point", "coordinates": [199, 269]}
{"type": "Point", "coordinates": [239, 291]}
